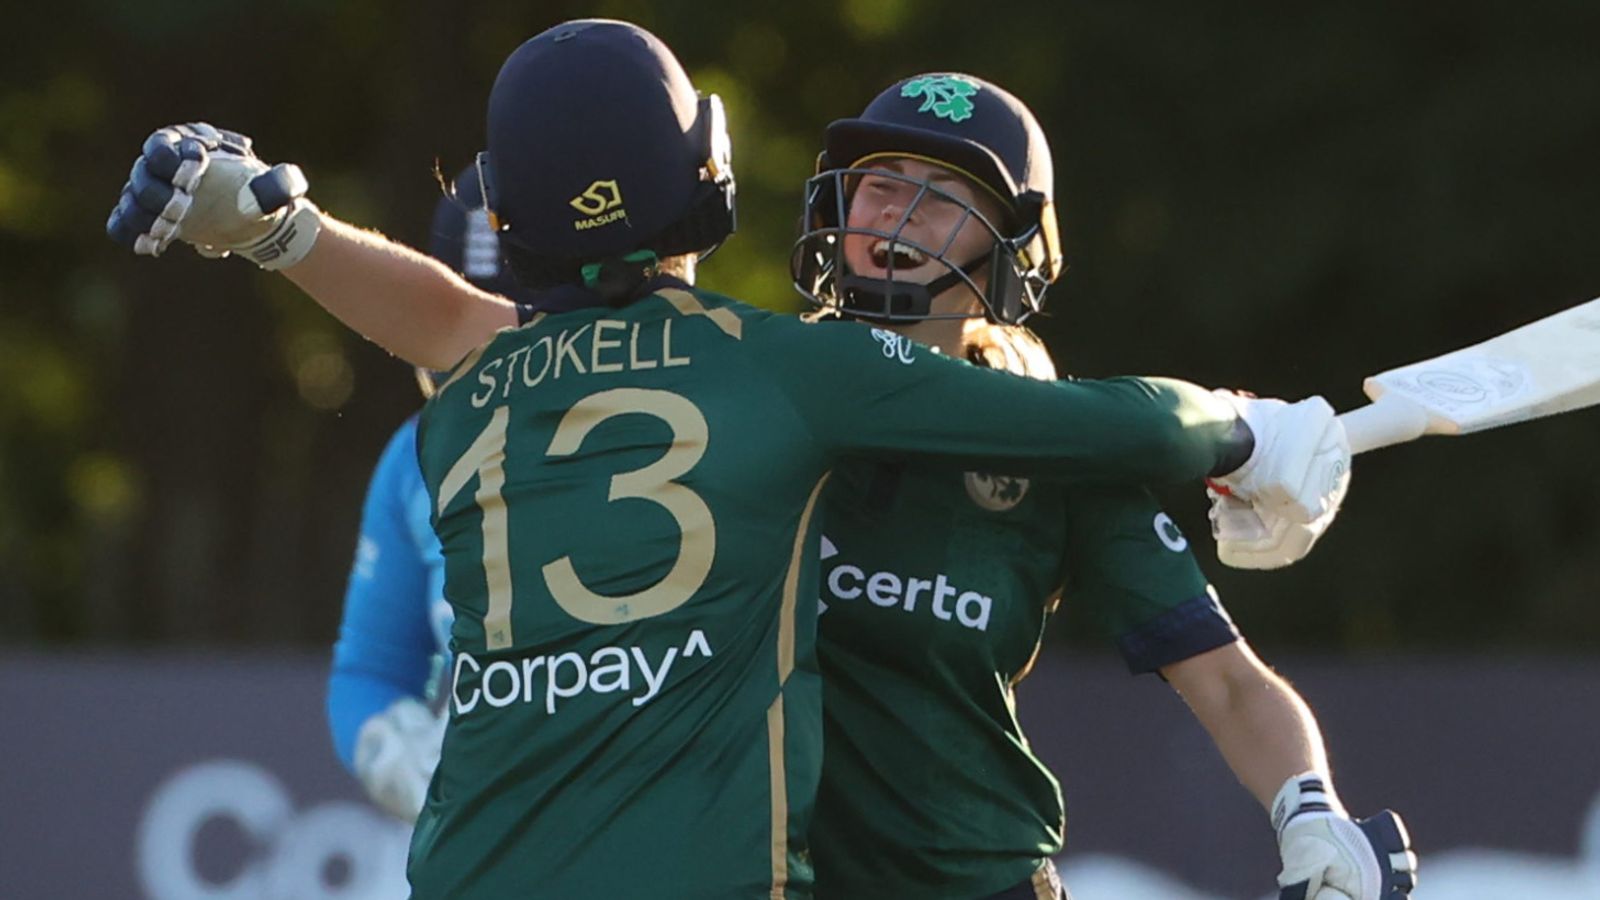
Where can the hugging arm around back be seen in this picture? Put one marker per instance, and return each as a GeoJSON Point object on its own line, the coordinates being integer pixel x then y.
{"type": "Point", "coordinates": [882, 394]}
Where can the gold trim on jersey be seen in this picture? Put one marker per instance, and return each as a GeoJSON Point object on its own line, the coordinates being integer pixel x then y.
{"type": "Point", "coordinates": [1047, 883]}
{"type": "Point", "coordinates": [776, 764]}
{"type": "Point", "coordinates": [690, 305]}
{"type": "Point", "coordinates": [791, 586]}
{"type": "Point", "coordinates": [462, 368]}
{"type": "Point", "coordinates": [780, 798]}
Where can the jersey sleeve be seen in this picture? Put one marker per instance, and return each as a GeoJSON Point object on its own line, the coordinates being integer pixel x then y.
{"type": "Point", "coordinates": [386, 643]}
{"type": "Point", "coordinates": [1131, 568]}
{"type": "Point", "coordinates": [871, 391]}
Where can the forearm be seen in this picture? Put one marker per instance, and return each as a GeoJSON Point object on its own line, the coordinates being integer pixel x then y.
{"type": "Point", "coordinates": [1145, 430]}
{"type": "Point", "coordinates": [1209, 433]}
{"type": "Point", "coordinates": [1262, 727]}
{"type": "Point", "coordinates": [1267, 734]}
{"type": "Point", "coordinates": [406, 302]}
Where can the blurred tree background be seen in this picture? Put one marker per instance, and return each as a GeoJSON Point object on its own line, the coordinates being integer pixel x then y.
{"type": "Point", "coordinates": [1277, 197]}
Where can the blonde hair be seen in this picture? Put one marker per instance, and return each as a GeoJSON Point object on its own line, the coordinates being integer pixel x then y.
{"type": "Point", "coordinates": [680, 267]}
{"type": "Point", "coordinates": [1010, 348]}
{"type": "Point", "coordinates": [425, 382]}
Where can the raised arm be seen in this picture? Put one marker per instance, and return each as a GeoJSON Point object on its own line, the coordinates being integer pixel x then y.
{"type": "Point", "coordinates": [406, 302]}
{"type": "Point", "coordinates": [207, 188]}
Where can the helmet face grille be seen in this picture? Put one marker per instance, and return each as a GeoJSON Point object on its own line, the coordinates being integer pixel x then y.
{"type": "Point", "coordinates": [963, 124]}
{"type": "Point", "coordinates": [821, 273]}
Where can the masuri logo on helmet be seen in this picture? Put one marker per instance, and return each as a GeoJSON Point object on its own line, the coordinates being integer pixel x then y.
{"type": "Point", "coordinates": [599, 197]}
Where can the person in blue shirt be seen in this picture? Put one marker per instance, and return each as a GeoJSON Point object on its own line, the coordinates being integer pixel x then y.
{"type": "Point", "coordinates": [396, 627]}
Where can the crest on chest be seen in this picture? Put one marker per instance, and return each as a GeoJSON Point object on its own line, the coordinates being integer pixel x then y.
{"type": "Point", "coordinates": [995, 493]}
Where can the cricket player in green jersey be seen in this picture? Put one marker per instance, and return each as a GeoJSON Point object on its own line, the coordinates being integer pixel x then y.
{"type": "Point", "coordinates": [938, 584]}
{"type": "Point", "coordinates": [625, 476]}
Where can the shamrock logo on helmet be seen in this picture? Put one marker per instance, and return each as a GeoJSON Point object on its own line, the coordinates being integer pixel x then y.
{"type": "Point", "coordinates": [943, 95]}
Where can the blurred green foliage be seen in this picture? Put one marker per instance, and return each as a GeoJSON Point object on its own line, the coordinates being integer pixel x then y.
{"type": "Point", "coordinates": [1284, 198]}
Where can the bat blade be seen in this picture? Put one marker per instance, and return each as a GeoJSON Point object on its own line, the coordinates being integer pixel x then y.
{"type": "Point", "coordinates": [1543, 368]}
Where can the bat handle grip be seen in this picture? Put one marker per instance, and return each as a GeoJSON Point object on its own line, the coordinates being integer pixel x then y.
{"type": "Point", "coordinates": [1390, 419]}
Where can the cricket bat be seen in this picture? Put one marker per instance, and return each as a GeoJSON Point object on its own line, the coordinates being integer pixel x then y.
{"type": "Point", "coordinates": [1543, 368]}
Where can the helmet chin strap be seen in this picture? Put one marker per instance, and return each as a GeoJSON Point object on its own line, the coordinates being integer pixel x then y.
{"type": "Point", "coordinates": [883, 300]}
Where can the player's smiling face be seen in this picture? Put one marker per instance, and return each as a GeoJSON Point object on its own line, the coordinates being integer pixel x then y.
{"type": "Point", "coordinates": [932, 222]}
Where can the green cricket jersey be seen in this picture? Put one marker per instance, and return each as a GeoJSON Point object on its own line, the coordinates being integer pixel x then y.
{"type": "Point", "coordinates": [936, 589]}
{"type": "Point", "coordinates": [625, 501]}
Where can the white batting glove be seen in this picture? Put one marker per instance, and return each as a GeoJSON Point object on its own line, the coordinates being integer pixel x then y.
{"type": "Point", "coordinates": [1300, 467]}
{"type": "Point", "coordinates": [1251, 538]}
{"type": "Point", "coordinates": [396, 753]}
{"type": "Point", "coordinates": [206, 187]}
{"type": "Point", "coordinates": [1328, 856]}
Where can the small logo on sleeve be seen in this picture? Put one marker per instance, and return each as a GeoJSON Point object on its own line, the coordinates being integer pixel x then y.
{"type": "Point", "coordinates": [1167, 531]}
{"type": "Point", "coordinates": [895, 346]}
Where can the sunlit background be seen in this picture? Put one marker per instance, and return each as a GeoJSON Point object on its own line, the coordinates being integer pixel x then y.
{"type": "Point", "coordinates": [1277, 197]}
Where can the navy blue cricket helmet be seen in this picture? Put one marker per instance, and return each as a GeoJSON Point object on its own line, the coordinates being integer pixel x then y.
{"type": "Point", "coordinates": [599, 148]}
{"type": "Point", "coordinates": [967, 125]}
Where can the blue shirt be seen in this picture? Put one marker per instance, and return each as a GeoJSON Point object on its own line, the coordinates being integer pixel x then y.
{"type": "Point", "coordinates": [395, 617]}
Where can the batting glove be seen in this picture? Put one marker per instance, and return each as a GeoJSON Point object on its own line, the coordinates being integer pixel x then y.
{"type": "Point", "coordinates": [396, 753]}
{"type": "Point", "coordinates": [1328, 856]}
{"type": "Point", "coordinates": [1300, 466]}
{"type": "Point", "coordinates": [1251, 538]}
{"type": "Point", "coordinates": [206, 187]}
